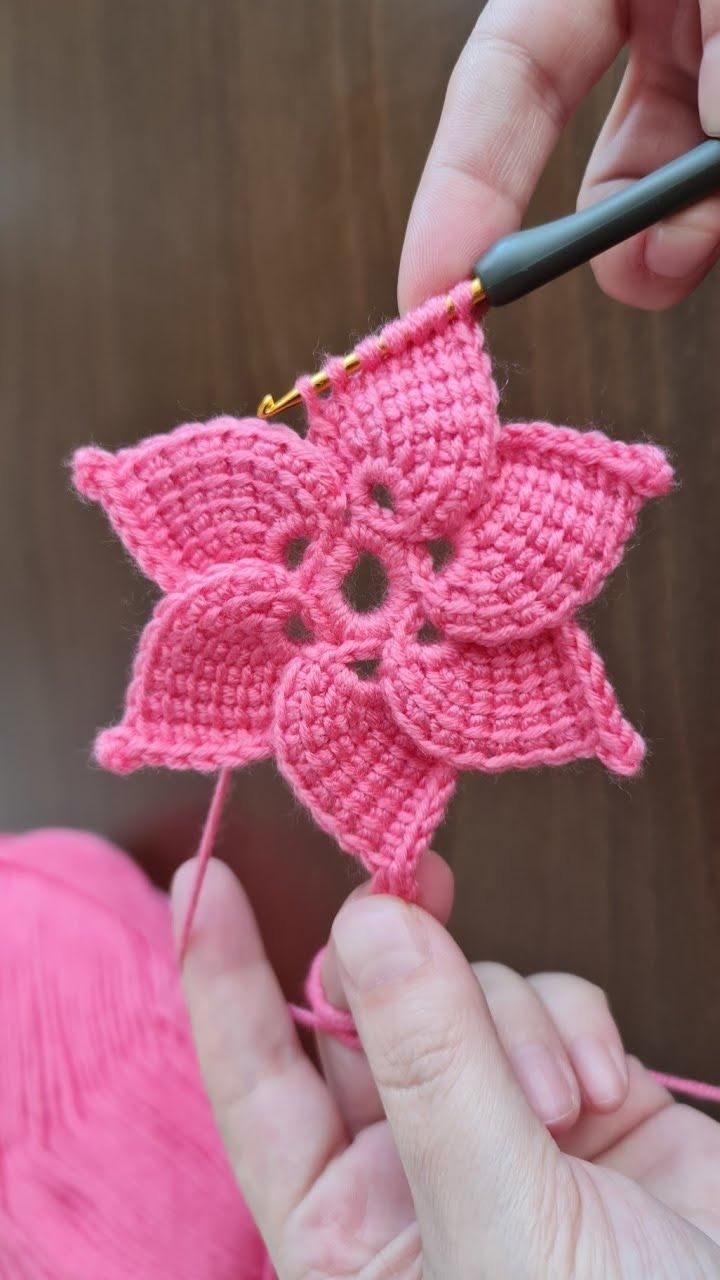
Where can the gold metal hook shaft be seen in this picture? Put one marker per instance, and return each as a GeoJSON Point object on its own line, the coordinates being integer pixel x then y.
{"type": "Point", "coordinates": [269, 407]}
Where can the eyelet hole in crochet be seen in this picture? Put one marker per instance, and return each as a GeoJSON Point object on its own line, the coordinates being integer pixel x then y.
{"type": "Point", "coordinates": [428, 633]}
{"type": "Point", "coordinates": [365, 668]}
{"type": "Point", "coordinates": [382, 495]}
{"type": "Point", "coordinates": [294, 552]}
{"type": "Point", "coordinates": [441, 552]}
{"type": "Point", "coordinates": [297, 631]}
{"type": "Point", "coordinates": [366, 585]}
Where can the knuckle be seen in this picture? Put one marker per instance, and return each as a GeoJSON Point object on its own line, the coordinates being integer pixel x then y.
{"type": "Point", "coordinates": [426, 1062]}
{"type": "Point", "coordinates": [593, 997]}
{"type": "Point", "coordinates": [542, 84]}
{"type": "Point", "coordinates": [547, 1216]}
{"type": "Point", "coordinates": [598, 996]}
{"type": "Point", "coordinates": [494, 970]}
{"type": "Point", "coordinates": [566, 1212]}
{"type": "Point", "coordinates": [578, 1243]}
{"type": "Point", "coordinates": [511, 999]}
{"type": "Point", "coordinates": [559, 1229]}
{"type": "Point", "coordinates": [270, 1055]}
{"type": "Point", "coordinates": [573, 989]}
{"type": "Point", "coordinates": [494, 977]}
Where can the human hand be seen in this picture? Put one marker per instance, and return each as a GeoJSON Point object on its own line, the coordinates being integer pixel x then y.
{"type": "Point", "coordinates": [522, 73]}
{"type": "Point", "coordinates": [425, 1155]}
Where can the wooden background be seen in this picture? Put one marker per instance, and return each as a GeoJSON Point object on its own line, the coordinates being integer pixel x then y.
{"type": "Point", "coordinates": [198, 197]}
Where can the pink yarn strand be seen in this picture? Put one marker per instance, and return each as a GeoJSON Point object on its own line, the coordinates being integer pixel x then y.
{"type": "Point", "coordinates": [204, 853]}
{"type": "Point", "coordinates": [323, 1018]}
{"type": "Point", "coordinates": [690, 1088]}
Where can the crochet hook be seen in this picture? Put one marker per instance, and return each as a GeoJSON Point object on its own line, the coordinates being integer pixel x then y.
{"type": "Point", "coordinates": [524, 260]}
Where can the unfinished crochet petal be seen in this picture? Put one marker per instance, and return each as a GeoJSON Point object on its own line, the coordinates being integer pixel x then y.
{"type": "Point", "coordinates": [413, 433]}
{"type": "Point", "coordinates": [210, 494]}
{"type": "Point", "coordinates": [205, 674]}
{"type": "Point", "coordinates": [362, 778]}
{"type": "Point", "coordinates": [553, 526]}
{"type": "Point", "coordinates": [531, 702]}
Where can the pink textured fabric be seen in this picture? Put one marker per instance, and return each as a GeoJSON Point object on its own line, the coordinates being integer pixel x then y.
{"type": "Point", "coordinates": [486, 541]}
{"type": "Point", "coordinates": [112, 1168]}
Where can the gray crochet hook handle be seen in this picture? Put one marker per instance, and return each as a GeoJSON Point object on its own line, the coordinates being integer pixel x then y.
{"type": "Point", "coordinates": [523, 261]}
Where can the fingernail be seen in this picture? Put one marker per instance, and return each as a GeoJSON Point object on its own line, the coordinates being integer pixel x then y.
{"type": "Point", "coordinates": [378, 940]}
{"type": "Point", "coordinates": [709, 87]}
{"type": "Point", "coordinates": [544, 1082]}
{"type": "Point", "coordinates": [678, 251]}
{"type": "Point", "coordinates": [602, 1070]}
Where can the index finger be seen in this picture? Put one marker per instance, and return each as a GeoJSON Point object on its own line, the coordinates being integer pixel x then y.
{"type": "Point", "coordinates": [520, 76]}
{"type": "Point", "coordinates": [279, 1123]}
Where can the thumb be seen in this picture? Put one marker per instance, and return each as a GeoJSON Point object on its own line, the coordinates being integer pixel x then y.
{"type": "Point", "coordinates": [481, 1168]}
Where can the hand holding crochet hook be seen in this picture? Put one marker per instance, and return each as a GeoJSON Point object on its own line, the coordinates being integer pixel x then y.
{"type": "Point", "coordinates": [492, 1126]}
{"type": "Point", "coordinates": [524, 70]}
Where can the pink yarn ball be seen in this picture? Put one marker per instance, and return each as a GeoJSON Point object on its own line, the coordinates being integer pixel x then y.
{"type": "Point", "coordinates": [111, 1167]}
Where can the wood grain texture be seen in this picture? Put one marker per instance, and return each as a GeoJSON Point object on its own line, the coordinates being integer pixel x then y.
{"type": "Point", "coordinates": [198, 199]}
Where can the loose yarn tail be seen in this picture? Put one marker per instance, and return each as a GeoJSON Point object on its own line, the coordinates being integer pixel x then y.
{"type": "Point", "coordinates": [205, 848]}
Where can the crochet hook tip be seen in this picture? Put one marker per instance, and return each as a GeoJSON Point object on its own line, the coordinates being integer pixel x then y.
{"type": "Point", "coordinates": [266, 407]}
{"type": "Point", "coordinates": [320, 382]}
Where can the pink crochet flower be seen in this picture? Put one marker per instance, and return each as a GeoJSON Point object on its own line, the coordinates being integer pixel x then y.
{"type": "Point", "coordinates": [477, 544]}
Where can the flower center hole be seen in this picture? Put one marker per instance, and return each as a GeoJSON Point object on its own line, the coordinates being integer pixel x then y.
{"type": "Point", "coordinates": [297, 631]}
{"type": "Point", "coordinates": [366, 585]}
{"type": "Point", "coordinates": [294, 551]}
{"type": "Point", "coordinates": [365, 668]}
{"type": "Point", "coordinates": [382, 495]}
{"type": "Point", "coordinates": [428, 633]}
{"type": "Point", "coordinates": [441, 552]}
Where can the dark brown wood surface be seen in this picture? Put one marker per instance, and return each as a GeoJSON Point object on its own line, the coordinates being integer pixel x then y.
{"type": "Point", "coordinates": [195, 199]}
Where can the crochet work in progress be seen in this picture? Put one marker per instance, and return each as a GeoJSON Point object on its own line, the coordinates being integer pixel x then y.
{"type": "Point", "coordinates": [382, 603]}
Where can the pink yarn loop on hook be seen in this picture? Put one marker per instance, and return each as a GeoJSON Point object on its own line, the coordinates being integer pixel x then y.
{"type": "Point", "coordinates": [204, 853]}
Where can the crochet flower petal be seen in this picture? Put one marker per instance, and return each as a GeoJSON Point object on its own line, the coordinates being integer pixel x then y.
{"type": "Point", "coordinates": [210, 494]}
{"type": "Point", "coordinates": [363, 779]}
{"type": "Point", "coordinates": [532, 702]}
{"type": "Point", "coordinates": [205, 674]}
{"type": "Point", "coordinates": [413, 432]}
{"type": "Point", "coordinates": [553, 526]}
